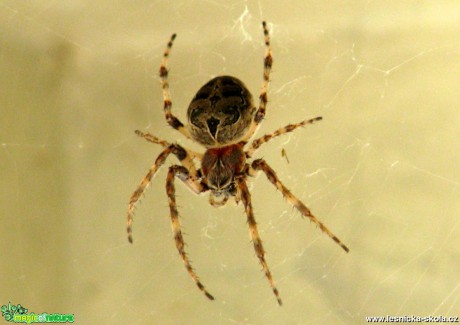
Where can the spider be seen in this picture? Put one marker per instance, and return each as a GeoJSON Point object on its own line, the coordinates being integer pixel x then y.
{"type": "Point", "coordinates": [222, 118]}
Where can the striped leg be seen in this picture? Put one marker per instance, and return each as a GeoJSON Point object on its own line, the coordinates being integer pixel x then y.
{"type": "Point", "coordinates": [260, 164]}
{"type": "Point", "coordinates": [183, 156]}
{"type": "Point", "coordinates": [186, 156]}
{"type": "Point", "coordinates": [181, 173]}
{"type": "Point", "coordinates": [246, 198]}
{"type": "Point", "coordinates": [268, 62]}
{"type": "Point", "coordinates": [288, 128]}
{"type": "Point", "coordinates": [170, 118]}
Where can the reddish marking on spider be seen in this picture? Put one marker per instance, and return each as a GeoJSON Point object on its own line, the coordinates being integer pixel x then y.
{"type": "Point", "coordinates": [220, 165]}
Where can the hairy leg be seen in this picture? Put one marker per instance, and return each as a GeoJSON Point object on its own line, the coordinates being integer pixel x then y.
{"type": "Point", "coordinates": [180, 171]}
{"type": "Point", "coordinates": [260, 164]}
{"type": "Point", "coordinates": [183, 156]}
{"type": "Point", "coordinates": [263, 99]}
{"type": "Point", "coordinates": [288, 128]}
{"type": "Point", "coordinates": [253, 231]}
{"type": "Point", "coordinates": [170, 118]}
{"type": "Point", "coordinates": [186, 156]}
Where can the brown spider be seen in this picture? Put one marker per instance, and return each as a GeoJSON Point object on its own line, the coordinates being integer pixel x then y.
{"type": "Point", "coordinates": [223, 118]}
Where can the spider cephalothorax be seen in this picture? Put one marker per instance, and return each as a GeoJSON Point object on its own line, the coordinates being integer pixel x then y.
{"type": "Point", "coordinates": [221, 112]}
{"type": "Point", "coordinates": [221, 117]}
{"type": "Point", "coordinates": [221, 165]}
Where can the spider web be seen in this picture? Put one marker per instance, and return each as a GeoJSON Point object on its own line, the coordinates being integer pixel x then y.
{"type": "Point", "coordinates": [381, 169]}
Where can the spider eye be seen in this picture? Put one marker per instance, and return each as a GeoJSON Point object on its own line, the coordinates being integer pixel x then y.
{"type": "Point", "coordinates": [232, 115]}
{"type": "Point", "coordinates": [212, 126]}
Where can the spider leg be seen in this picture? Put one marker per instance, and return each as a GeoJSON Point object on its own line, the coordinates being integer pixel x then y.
{"type": "Point", "coordinates": [288, 128]}
{"type": "Point", "coordinates": [268, 62]}
{"type": "Point", "coordinates": [183, 156]}
{"type": "Point", "coordinates": [260, 164]}
{"type": "Point", "coordinates": [151, 138]}
{"type": "Point", "coordinates": [182, 173]}
{"type": "Point", "coordinates": [258, 247]}
{"type": "Point", "coordinates": [187, 160]}
{"type": "Point", "coordinates": [170, 118]}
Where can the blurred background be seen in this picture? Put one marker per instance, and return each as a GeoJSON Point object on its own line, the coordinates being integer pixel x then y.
{"type": "Point", "coordinates": [381, 170]}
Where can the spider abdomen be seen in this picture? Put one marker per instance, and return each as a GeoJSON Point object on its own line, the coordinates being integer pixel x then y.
{"type": "Point", "coordinates": [221, 112]}
{"type": "Point", "coordinates": [220, 165]}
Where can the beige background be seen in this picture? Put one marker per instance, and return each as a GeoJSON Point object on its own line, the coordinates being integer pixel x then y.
{"type": "Point", "coordinates": [381, 170]}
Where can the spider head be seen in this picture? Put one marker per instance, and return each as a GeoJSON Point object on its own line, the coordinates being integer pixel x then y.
{"type": "Point", "coordinates": [221, 112]}
{"type": "Point", "coordinates": [220, 166]}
